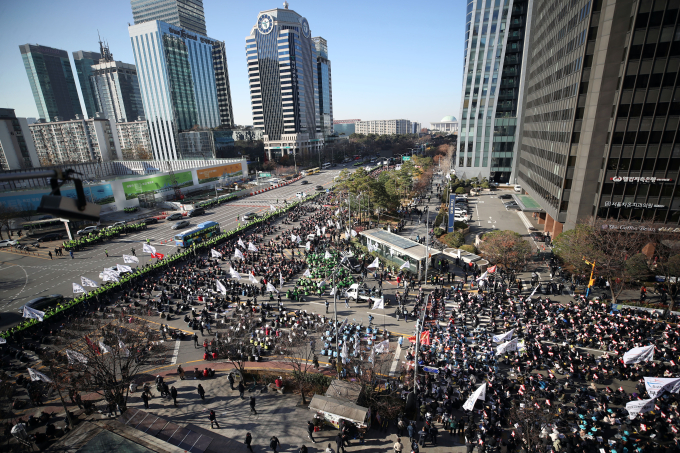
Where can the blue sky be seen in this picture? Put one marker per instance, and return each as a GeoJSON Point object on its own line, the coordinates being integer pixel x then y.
{"type": "Point", "coordinates": [390, 59]}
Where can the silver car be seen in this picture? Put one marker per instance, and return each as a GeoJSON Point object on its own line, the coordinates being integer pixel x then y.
{"type": "Point", "coordinates": [180, 224]}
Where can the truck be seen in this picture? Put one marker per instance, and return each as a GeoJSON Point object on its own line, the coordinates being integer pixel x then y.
{"type": "Point", "coordinates": [361, 294]}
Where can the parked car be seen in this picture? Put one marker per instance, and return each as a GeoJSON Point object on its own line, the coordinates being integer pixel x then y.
{"type": "Point", "coordinates": [319, 188]}
{"type": "Point", "coordinates": [51, 237]}
{"type": "Point", "coordinates": [512, 207]}
{"type": "Point", "coordinates": [8, 243]}
{"type": "Point", "coordinates": [117, 224]}
{"type": "Point", "coordinates": [175, 216]}
{"type": "Point", "coordinates": [151, 220]}
{"type": "Point", "coordinates": [43, 303]}
{"type": "Point", "coordinates": [537, 236]}
{"type": "Point", "coordinates": [180, 224]}
{"type": "Point", "coordinates": [505, 196]}
{"type": "Point", "coordinates": [518, 188]}
{"type": "Point", "coordinates": [304, 181]}
{"type": "Point", "coordinates": [248, 216]}
{"type": "Point", "coordinates": [87, 230]}
{"type": "Point", "coordinates": [196, 212]}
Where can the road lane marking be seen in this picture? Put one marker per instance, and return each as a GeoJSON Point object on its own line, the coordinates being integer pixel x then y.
{"type": "Point", "coordinates": [175, 353]}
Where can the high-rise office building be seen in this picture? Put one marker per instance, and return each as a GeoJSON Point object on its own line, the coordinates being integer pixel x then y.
{"type": "Point", "coordinates": [491, 101]}
{"type": "Point", "coordinates": [222, 84]}
{"type": "Point", "coordinates": [186, 14]}
{"type": "Point", "coordinates": [323, 69]}
{"type": "Point", "coordinates": [51, 78]}
{"type": "Point", "coordinates": [177, 80]}
{"type": "Point", "coordinates": [116, 88]}
{"type": "Point", "coordinates": [17, 151]}
{"type": "Point", "coordinates": [345, 127]}
{"type": "Point", "coordinates": [282, 68]}
{"type": "Point", "coordinates": [602, 111]}
{"type": "Point", "coordinates": [84, 61]}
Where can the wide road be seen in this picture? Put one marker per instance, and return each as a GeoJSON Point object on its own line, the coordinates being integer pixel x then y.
{"type": "Point", "coordinates": [25, 277]}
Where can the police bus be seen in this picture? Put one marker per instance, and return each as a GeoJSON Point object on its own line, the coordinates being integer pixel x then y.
{"type": "Point", "coordinates": [201, 232]}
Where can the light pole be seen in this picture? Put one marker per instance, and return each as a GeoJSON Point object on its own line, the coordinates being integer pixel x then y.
{"type": "Point", "coordinates": [427, 239]}
{"type": "Point", "coordinates": [419, 326]}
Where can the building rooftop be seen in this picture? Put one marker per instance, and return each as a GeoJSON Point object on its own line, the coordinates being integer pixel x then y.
{"type": "Point", "coordinates": [447, 119]}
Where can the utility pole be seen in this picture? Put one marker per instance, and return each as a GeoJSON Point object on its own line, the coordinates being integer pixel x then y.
{"type": "Point", "coordinates": [427, 239]}
{"type": "Point", "coordinates": [419, 327]}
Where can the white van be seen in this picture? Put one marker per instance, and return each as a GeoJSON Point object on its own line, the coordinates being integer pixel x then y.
{"type": "Point", "coordinates": [361, 294]}
{"type": "Point", "coordinates": [518, 188]}
{"type": "Point", "coordinates": [274, 182]}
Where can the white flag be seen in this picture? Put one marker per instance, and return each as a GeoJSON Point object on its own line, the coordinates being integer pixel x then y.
{"type": "Point", "coordinates": [534, 291]}
{"type": "Point", "coordinates": [503, 337]}
{"type": "Point", "coordinates": [37, 375]}
{"type": "Point", "coordinates": [307, 273]}
{"type": "Point", "coordinates": [293, 237]}
{"type": "Point", "coordinates": [123, 349]}
{"type": "Point", "coordinates": [240, 242]}
{"type": "Point", "coordinates": [220, 287]}
{"type": "Point", "coordinates": [639, 407]}
{"type": "Point", "coordinates": [251, 247]}
{"type": "Point", "coordinates": [308, 246]}
{"type": "Point", "coordinates": [272, 208]}
{"type": "Point", "coordinates": [129, 259]}
{"type": "Point", "coordinates": [298, 239]}
{"type": "Point", "coordinates": [508, 346]}
{"type": "Point", "coordinates": [379, 304]}
{"type": "Point", "coordinates": [333, 291]}
{"type": "Point", "coordinates": [123, 268]}
{"type": "Point", "coordinates": [238, 253]}
{"type": "Point", "coordinates": [103, 348]}
{"type": "Point", "coordinates": [323, 230]}
{"type": "Point", "coordinates": [483, 276]}
{"type": "Point", "coordinates": [234, 274]}
{"type": "Point", "coordinates": [148, 249]}
{"type": "Point", "coordinates": [215, 254]}
{"type": "Point", "coordinates": [657, 385]}
{"type": "Point", "coordinates": [327, 255]}
{"type": "Point", "coordinates": [318, 230]}
{"type": "Point", "coordinates": [108, 277]}
{"type": "Point", "coordinates": [337, 225]}
{"type": "Point", "coordinates": [641, 354]}
{"type": "Point", "coordinates": [375, 263]}
{"type": "Point", "coordinates": [354, 233]}
{"type": "Point", "coordinates": [406, 265]}
{"type": "Point", "coordinates": [78, 289]}
{"type": "Point", "coordinates": [382, 347]}
{"type": "Point", "coordinates": [337, 212]}
{"type": "Point", "coordinates": [329, 222]}
{"type": "Point", "coordinates": [280, 280]}
{"type": "Point", "coordinates": [271, 288]}
{"type": "Point", "coordinates": [87, 282]}
{"type": "Point", "coordinates": [33, 314]}
{"type": "Point", "coordinates": [74, 357]}
{"type": "Point", "coordinates": [344, 353]}
{"type": "Point", "coordinates": [480, 394]}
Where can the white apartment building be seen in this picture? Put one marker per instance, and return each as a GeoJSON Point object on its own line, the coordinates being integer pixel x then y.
{"type": "Point", "coordinates": [383, 127]}
{"type": "Point", "coordinates": [135, 142]}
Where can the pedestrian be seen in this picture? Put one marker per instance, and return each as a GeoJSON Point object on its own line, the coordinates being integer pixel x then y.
{"type": "Point", "coordinates": [327, 304]}
{"type": "Point", "coordinates": [213, 420]}
{"type": "Point", "coordinates": [70, 252]}
{"type": "Point", "coordinates": [145, 398]}
{"type": "Point", "coordinates": [338, 443]}
{"type": "Point", "coordinates": [252, 405]}
{"type": "Point", "coordinates": [310, 431]}
{"type": "Point", "coordinates": [241, 389]}
{"type": "Point", "coordinates": [398, 446]}
{"type": "Point", "coordinates": [411, 431]}
{"type": "Point", "coordinates": [195, 337]}
{"type": "Point", "coordinates": [50, 254]}
{"type": "Point", "coordinates": [249, 439]}
{"type": "Point", "coordinates": [106, 252]}
{"type": "Point", "coordinates": [180, 371]}
{"type": "Point", "coordinates": [303, 449]}
{"type": "Point", "coordinates": [230, 378]}
{"type": "Point", "coordinates": [173, 393]}
{"type": "Point", "coordinates": [133, 251]}
{"type": "Point", "coordinates": [274, 443]}
{"type": "Point", "coordinates": [329, 449]}
{"type": "Point", "coordinates": [201, 392]}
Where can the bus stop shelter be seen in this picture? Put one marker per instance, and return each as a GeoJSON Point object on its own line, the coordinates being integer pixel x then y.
{"type": "Point", "coordinates": [397, 250]}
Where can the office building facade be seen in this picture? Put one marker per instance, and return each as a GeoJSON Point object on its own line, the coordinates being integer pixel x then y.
{"type": "Point", "coordinates": [197, 145]}
{"type": "Point", "coordinates": [177, 81]}
{"type": "Point", "coordinates": [75, 141]}
{"type": "Point", "coordinates": [17, 151]}
{"type": "Point", "coordinates": [116, 90]}
{"type": "Point", "coordinates": [84, 61]}
{"type": "Point", "coordinates": [222, 84]}
{"type": "Point", "coordinates": [383, 127]}
{"type": "Point", "coordinates": [52, 82]}
{"type": "Point", "coordinates": [323, 70]}
{"type": "Point", "coordinates": [605, 122]}
{"type": "Point", "coordinates": [186, 14]}
{"type": "Point", "coordinates": [345, 127]}
{"type": "Point", "coordinates": [490, 111]}
{"type": "Point", "coordinates": [284, 92]}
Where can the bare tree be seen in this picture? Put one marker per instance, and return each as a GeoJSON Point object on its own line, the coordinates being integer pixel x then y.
{"type": "Point", "coordinates": [7, 214]}
{"type": "Point", "coordinates": [506, 248]}
{"type": "Point", "coordinates": [528, 417]}
{"type": "Point", "coordinates": [105, 361]}
{"type": "Point", "coordinates": [234, 344]}
{"type": "Point", "coordinates": [299, 354]}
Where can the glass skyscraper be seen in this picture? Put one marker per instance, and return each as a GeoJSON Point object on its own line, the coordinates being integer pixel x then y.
{"type": "Point", "coordinates": [223, 87]}
{"type": "Point", "coordinates": [52, 82]}
{"type": "Point", "coordinates": [187, 14]}
{"type": "Point", "coordinates": [323, 69]}
{"type": "Point", "coordinates": [284, 92]}
{"type": "Point", "coordinates": [490, 109]}
{"type": "Point", "coordinates": [177, 80]}
{"type": "Point", "coordinates": [84, 61]}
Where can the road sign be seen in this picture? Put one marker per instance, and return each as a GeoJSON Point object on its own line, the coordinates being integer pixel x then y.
{"type": "Point", "coordinates": [452, 212]}
{"type": "Point", "coordinates": [405, 158]}
{"type": "Point", "coordinates": [265, 175]}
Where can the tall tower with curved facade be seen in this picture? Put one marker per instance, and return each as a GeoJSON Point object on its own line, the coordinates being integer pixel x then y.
{"type": "Point", "coordinates": [284, 93]}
